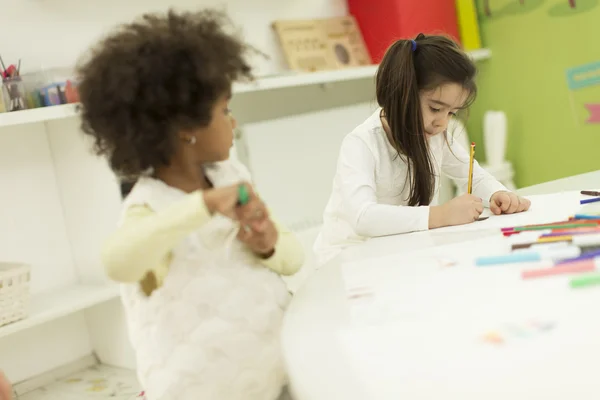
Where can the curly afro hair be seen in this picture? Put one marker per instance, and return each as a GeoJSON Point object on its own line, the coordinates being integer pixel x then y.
{"type": "Point", "coordinates": [153, 78]}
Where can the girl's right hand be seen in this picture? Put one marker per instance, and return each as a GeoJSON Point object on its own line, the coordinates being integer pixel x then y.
{"type": "Point", "coordinates": [458, 211]}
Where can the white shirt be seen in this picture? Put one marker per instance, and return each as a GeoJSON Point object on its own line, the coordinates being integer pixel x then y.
{"type": "Point", "coordinates": [371, 189]}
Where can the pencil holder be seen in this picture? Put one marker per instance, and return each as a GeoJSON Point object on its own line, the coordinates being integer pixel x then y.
{"type": "Point", "coordinates": [14, 292]}
{"type": "Point", "coordinates": [13, 94]}
{"type": "Point", "coordinates": [2, 107]}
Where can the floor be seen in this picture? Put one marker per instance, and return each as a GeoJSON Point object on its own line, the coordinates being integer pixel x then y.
{"type": "Point", "coordinates": [98, 382]}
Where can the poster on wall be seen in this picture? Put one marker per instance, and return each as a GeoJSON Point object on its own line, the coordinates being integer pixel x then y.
{"type": "Point", "coordinates": [584, 87]}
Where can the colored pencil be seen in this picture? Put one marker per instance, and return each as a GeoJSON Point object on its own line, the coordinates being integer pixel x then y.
{"type": "Point", "coordinates": [471, 161]}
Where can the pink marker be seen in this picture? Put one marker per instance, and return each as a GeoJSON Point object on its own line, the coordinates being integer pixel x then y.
{"type": "Point", "coordinates": [588, 265]}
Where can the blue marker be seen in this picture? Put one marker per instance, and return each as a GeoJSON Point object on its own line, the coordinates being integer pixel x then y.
{"type": "Point", "coordinates": [554, 254]}
{"type": "Point", "coordinates": [585, 256]}
{"type": "Point", "coordinates": [587, 201]}
{"type": "Point", "coordinates": [584, 216]}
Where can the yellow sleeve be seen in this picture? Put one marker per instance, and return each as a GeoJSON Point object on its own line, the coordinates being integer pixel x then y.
{"type": "Point", "coordinates": [145, 239]}
{"type": "Point", "coordinates": [289, 253]}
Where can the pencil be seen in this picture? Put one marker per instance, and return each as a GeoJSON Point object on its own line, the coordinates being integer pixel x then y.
{"type": "Point", "coordinates": [471, 161]}
{"type": "Point", "coordinates": [590, 193]}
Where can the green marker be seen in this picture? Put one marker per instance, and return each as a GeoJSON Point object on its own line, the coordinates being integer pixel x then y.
{"type": "Point", "coordinates": [243, 195]}
{"type": "Point", "coordinates": [584, 281]}
{"type": "Point", "coordinates": [563, 226]}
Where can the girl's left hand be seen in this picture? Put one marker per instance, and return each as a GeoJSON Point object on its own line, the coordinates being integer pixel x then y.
{"type": "Point", "coordinates": [257, 229]}
{"type": "Point", "coordinates": [508, 203]}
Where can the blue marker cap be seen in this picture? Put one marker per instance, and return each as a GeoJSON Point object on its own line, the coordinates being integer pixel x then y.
{"type": "Point", "coordinates": [520, 256]}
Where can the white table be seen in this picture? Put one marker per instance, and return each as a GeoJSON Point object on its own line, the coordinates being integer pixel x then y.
{"type": "Point", "coordinates": [430, 347]}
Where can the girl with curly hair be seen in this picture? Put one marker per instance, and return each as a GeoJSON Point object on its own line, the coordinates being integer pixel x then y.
{"type": "Point", "coordinates": [204, 310]}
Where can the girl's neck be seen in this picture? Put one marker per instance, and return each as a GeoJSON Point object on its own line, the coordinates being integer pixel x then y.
{"type": "Point", "coordinates": [187, 178]}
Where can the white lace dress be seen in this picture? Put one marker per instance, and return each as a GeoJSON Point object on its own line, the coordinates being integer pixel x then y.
{"type": "Point", "coordinates": [212, 330]}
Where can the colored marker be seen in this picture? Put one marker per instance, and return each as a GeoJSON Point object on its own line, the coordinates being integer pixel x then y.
{"type": "Point", "coordinates": [590, 265]}
{"type": "Point", "coordinates": [579, 240]}
{"type": "Point", "coordinates": [526, 237]}
{"type": "Point", "coordinates": [588, 201]}
{"type": "Point", "coordinates": [549, 225]}
{"type": "Point", "coordinates": [590, 193]}
{"type": "Point", "coordinates": [570, 232]}
{"type": "Point", "coordinates": [560, 226]}
{"type": "Point", "coordinates": [243, 195]}
{"type": "Point", "coordinates": [588, 217]}
{"type": "Point", "coordinates": [551, 253]}
{"type": "Point", "coordinates": [585, 281]}
{"type": "Point", "coordinates": [555, 225]}
{"type": "Point", "coordinates": [582, 256]}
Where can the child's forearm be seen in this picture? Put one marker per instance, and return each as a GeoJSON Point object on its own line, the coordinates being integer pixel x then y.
{"type": "Point", "coordinates": [375, 220]}
{"type": "Point", "coordinates": [288, 257]}
{"type": "Point", "coordinates": [145, 239]}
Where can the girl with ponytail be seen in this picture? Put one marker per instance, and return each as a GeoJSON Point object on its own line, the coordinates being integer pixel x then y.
{"type": "Point", "coordinates": [389, 167]}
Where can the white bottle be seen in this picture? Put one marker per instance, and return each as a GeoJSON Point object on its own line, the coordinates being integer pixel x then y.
{"type": "Point", "coordinates": [494, 136]}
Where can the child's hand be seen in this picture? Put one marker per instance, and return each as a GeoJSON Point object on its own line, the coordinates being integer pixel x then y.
{"type": "Point", "coordinates": [508, 203]}
{"type": "Point", "coordinates": [223, 200]}
{"type": "Point", "coordinates": [257, 230]}
{"type": "Point", "coordinates": [6, 392]}
{"type": "Point", "coordinates": [458, 211]}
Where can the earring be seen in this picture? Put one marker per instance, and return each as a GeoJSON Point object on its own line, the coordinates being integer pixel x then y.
{"type": "Point", "coordinates": [190, 139]}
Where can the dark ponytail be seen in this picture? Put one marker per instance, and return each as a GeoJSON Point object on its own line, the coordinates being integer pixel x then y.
{"type": "Point", "coordinates": [408, 67]}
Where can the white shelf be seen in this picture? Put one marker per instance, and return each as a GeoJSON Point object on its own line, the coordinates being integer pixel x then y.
{"type": "Point", "coordinates": [38, 115]}
{"type": "Point", "coordinates": [325, 77]}
{"type": "Point", "coordinates": [261, 84]}
{"type": "Point", "coordinates": [61, 302]}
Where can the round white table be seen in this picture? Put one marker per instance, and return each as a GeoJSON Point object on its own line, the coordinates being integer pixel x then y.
{"type": "Point", "coordinates": [429, 341]}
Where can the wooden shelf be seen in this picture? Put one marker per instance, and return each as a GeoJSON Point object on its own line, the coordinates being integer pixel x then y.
{"type": "Point", "coordinates": [61, 302]}
{"type": "Point", "coordinates": [261, 84]}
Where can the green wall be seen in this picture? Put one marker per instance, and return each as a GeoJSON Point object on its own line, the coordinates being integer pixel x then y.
{"type": "Point", "coordinates": [532, 47]}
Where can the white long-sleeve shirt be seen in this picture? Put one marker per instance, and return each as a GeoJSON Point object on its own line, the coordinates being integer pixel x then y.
{"type": "Point", "coordinates": [371, 189]}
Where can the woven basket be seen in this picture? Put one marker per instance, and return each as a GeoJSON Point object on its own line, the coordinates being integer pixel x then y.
{"type": "Point", "coordinates": [14, 292]}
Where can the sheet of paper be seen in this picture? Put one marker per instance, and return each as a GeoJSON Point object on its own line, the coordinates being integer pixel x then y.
{"type": "Point", "coordinates": [544, 208]}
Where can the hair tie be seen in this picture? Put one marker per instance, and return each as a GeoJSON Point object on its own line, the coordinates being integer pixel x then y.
{"type": "Point", "coordinates": [414, 45]}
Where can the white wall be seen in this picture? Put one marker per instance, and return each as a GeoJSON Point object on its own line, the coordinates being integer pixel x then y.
{"type": "Point", "coordinates": [58, 31]}
{"type": "Point", "coordinates": [57, 202]}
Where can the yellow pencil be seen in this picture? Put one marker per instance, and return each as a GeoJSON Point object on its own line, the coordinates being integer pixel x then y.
{"type": "Point", "coordinates": [471, 161]}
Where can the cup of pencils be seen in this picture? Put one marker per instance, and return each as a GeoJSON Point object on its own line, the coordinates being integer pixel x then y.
{"type": "Point", "coordinates": [13, 89]}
